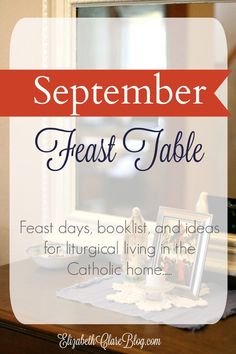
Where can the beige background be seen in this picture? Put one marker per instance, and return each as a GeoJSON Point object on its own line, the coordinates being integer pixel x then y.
{"type": "Point", "coordinates": [10, 13]}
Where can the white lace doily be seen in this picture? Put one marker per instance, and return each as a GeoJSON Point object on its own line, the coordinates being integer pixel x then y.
{"type": "Point", "coordinates": [131, 293]}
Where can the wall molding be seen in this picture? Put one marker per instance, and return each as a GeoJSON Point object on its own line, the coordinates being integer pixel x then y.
{"type": "Point", "coordinates": [67, 8]}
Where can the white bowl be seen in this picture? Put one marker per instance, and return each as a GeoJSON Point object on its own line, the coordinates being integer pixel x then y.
{"type": "Point", "coordinates": [57, 261]}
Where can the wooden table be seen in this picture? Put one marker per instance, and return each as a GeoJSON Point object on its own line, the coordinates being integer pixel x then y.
{"type": "Point", "coordinates": [16, 338]}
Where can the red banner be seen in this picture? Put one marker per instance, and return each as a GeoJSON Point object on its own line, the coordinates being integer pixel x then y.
{"type": "Point", "coordinates": [111, 93]}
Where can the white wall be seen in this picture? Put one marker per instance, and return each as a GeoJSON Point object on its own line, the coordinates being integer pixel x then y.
{"type": "Point", "coordinates": [226, 14]}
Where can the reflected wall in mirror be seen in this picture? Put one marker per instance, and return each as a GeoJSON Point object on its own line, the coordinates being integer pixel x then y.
{"type": "Point", "coordinates": [115, 48]}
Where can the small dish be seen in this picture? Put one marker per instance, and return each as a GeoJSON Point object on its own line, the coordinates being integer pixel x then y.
{"type": "Point", "coordinates": [55, 261]}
